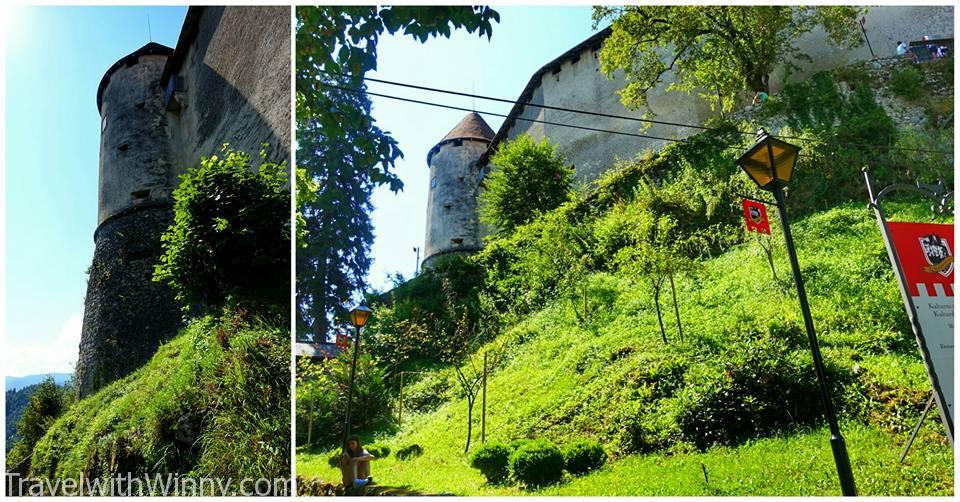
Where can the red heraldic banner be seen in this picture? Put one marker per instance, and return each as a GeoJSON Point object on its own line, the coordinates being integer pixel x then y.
{"type": "Point", "coordinates": [755, 215]}
{"type": "Point", "coordinates": [925, 252]}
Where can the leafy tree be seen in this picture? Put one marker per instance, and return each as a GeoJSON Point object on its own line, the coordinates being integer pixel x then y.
{"type": "Point", "coordinates": [416, 320]}
{"type": "Point", "coordinates": [229, 243]}
{"type": "Point", "coordinates": [460, 350]}
{"type": "Point", "coordinates": [322, 389]}
{"type": "Point", "coordinates": [717, 47]}
{"type": "Point", "coordinates": [46, 404]}
{"type": "Point", "coordinates": [527, 180]}
{"type": "Point", "coordinates": [341, 148]}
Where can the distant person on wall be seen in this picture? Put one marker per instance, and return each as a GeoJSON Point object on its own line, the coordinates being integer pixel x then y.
{"type": "Point", "coordinates": [355, 464]}
{"type": "Point", "coordinates": [902, 48]}
{"type": "Point", "coordinates": [934, 49]}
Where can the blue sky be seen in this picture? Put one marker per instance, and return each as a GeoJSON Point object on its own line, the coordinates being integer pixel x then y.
{"type": "Point", "coordinates": [525, 39]}
{"type": "Point", "coordinates": [55, 57]}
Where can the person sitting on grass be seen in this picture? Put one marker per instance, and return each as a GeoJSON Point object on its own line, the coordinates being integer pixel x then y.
{"type": "Point", "coordinates": [355, 464]}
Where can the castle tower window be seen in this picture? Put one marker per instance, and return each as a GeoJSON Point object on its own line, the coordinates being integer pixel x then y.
{"type": "Point", "coordinates": [139, 195]}
{"type": "Point", "coordinates": [123, 147]}
{"type": "Point", "coordinates": [458, 241]}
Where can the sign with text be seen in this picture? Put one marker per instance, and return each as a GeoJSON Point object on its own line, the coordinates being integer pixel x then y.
{"type": "Point", "coordinates": [925, 255]}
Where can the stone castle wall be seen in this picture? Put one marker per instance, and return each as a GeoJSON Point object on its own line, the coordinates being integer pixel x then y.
{"type": "Point", "coordinates": [579, 84]}
{"type": "Point", "coordinates": [235, 64]}
{"type": "Point", "coordinates": [135, 156]}
{"type": "Point", "coordinates": [237, 85]}
{"type": "Point", "coordinates": [452, 222]}
{"type": "Point", "coordinates": [126, 315]}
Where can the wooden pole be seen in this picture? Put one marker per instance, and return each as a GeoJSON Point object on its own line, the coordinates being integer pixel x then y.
{"type": "Point", "coordinates": [310, 423]}
{"type": "Point", "coordinates": [483, 405]}
{"type": "Point", "coordinates": [400, 408]}
{"type": "Point", "coordinates": [676, 309]}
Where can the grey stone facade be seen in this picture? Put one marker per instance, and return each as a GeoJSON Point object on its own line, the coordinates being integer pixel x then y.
{"type": "Point", "coordinates": [162, 109]}
{"type": "Point", "coordinates": [453, 225]}
{"type": "Point", "coordinates": [574, 81]}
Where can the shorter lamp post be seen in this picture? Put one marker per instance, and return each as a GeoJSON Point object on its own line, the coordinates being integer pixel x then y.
{"type": "Point", "coordinates": [769, 163]}
{"type": "Point", "coordinates": [358, 317]}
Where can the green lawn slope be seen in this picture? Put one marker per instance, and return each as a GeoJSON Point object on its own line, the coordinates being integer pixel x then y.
{"type": "Point", "coordinates": [614, 380]}
{"type": "Point", "coordinates": [212, 402]}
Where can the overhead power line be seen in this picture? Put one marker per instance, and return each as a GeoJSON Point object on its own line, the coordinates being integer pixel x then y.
{"type": "Point", "coordinates": [609, 115]}
{"type": "Point", "coordinates": [548, 107]}
{"type": "Point", "coordinates": [538, 121]}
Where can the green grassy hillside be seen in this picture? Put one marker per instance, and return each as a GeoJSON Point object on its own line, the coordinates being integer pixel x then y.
{"type": "Point", "coordinates": [736, 397]}
{"type": "Point", "coordinates": [212, 402]}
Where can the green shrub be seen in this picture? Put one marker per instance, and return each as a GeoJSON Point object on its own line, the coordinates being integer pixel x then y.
{"type": "Point", "coordinates": [416, 321]}
{"type": "Point", "coordinates": [760, 385]}
{"type": "Point", "coordinates": [517, 443]}
{"type": "Point", "coordinates": [334, 459]}
{"type": "Point", "coordinates": [527, 179]}
{"type": "Point", "coordinates": [428, 393]}
{"type": "Point", "coordinates": [492, 459]}
{"type": "Point", "coordinates": [379, 450]}
{"type": "Point", "coordinates": [322, 390]}
{"type": "Point", "coordinates": [229, 243]}
{"type": "Point", "coordinates": [583, 456]}
{"type": "Point", "coordinates": [852, 74]}
{"type": "Point", "coordinates": [907, 82]}
{"type": "Point", "coordinates": [409, 452]}
{"type": "Point", "coordinates": [537, 463]}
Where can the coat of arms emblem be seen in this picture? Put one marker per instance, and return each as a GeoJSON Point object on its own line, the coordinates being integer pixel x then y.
{"type": "Point", "coordinates": [936, 250]}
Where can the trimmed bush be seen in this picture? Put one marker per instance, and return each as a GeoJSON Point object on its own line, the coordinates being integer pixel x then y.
{"type": "Point", "coordinates": [409, 452]}
{"type": "Point", "coordinates": [492, 459]}
{"type": "Point", "coordinates": [334, 460]}
{"type": "Point", "coordinates": [379, 450]}
{"type": "Point", "coordinates": [584, 456]}
{"type": "Point", "coordinates": [537, 463]}
{"type": "Point", "coordinates": [517, 443]}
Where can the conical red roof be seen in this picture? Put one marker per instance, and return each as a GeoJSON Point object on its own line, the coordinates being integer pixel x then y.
{"type": "Point", "coordinates": [472, 126]}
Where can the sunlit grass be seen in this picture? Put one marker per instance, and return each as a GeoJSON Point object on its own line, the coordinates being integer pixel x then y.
{"type": "Point", "coordinates": [564, 380]}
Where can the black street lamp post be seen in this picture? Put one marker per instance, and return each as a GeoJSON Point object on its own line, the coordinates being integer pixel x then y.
{"type": "Point", "coordinates": [358, 317]}
{"type": "Point", "coordinates": [770, 163]}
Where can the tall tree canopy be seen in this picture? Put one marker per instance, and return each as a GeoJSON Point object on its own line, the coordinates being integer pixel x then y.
{"type": "Point", "coordinates": [342, 152]}
{"type": "Point", "coordinates": [716, 47]}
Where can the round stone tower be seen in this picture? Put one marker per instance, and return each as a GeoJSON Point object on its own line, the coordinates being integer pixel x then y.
{"type": "Point", "coordinates": [127, 315]}
{"type": "Point", "coordinates": [453, 224]}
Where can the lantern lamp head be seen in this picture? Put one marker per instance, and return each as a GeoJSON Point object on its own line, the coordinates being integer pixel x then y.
{"type": "Point", "coordinates": [359, 315]}
{"type": "Point", "coordinates": [770, 161]}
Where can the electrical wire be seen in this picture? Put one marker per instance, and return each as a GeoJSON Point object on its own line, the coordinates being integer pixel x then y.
{"type": "Point", "coordinates": [613, 116]}
{"type": "Point", "coordinates": [538, 121]}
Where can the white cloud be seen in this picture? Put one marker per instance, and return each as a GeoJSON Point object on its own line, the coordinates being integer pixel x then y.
{"type": "Point", "coordinates": [46, 356]}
